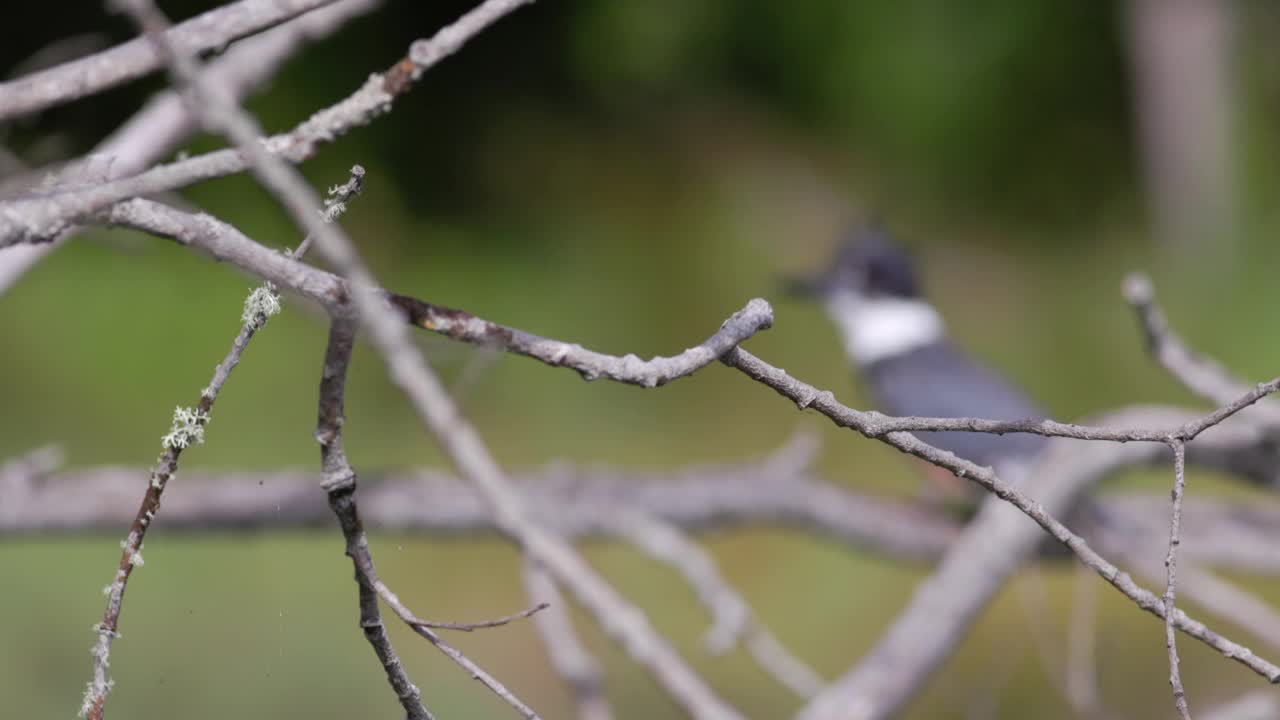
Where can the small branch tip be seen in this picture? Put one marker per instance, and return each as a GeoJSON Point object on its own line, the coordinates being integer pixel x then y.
{"type": "Point", "coordinates": [1137, 288]}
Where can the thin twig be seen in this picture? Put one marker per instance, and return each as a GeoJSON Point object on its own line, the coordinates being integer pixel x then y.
{"type": "Point", "coordinates": [619, 619]}
{"type": "Point", "coordinates": [101, 71]}
{"type": "Point", "coordinates": [1082, 631]}
{"type": "Point", "coordinates": [433, 405]}
{"type": "Point", "coordinates": [339, 482]}
{"type": "Point", "coordinates": [187, 430]}
{"type": "Point", "coordinates": [18, 475]}
{"type": "Point", "coordinates": [876, 425]}
{"type": "Point", "coordinates": [1029, 586]}
{"type": "Point", "coordinates": [164, 122]}
{"type": "Point", "coordinates": [805, 395]}
{"type": "Point", "coordinates": [570, 658]}
{"type": "Point", "coordinates": [1218, 597]}
{"type": "Point", "coordinates": [733, 619]}
{"type": "Point", "coordinates": [481, 625]}
{"type": "Point", "coordinates": [578, 502]}
{"type": "Point", "coordinates": [375, 633]}
{"type": "Point", "coordinates": [225, 243]}
{"type": "Point", "coordinates": [658, 371]}
{"type": "Point", "coordinates": [1200, 374]}
{"type": "Point", "coordinates": [478, 362]}
{"type": "Point", "coordinates": [43, 218]}
{"type": "Point", "coordinates": [1171, 584]}
{"type": "Point", "coordinates": [1256, 705]}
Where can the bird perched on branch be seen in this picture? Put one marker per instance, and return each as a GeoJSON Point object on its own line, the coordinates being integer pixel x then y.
{"type": "Point", "coordinates": [898, 344]}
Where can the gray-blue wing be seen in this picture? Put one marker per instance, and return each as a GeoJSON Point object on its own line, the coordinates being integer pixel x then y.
{"type": "Point", "coordinates": [938, 380]}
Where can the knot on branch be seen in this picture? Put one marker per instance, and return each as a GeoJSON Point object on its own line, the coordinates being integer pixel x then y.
{"type": "Point", "coordinates": [338, 480]}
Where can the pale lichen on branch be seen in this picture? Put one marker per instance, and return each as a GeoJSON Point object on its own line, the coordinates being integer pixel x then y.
{"type": "Point", "coordinates": [187, 428]}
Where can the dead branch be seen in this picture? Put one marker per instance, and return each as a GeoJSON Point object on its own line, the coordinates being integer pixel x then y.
{"type": "Point", "coordinates": [339, 483]}
{"type": "Point", "coordinates": [1198, 373]}
{"type": "Point", "coordinates": [164, 122]}
{"type": "Point", "coordinates": [876, 691]}
{"type": "Point", "coordinates": [131, 60]}
{"type": "Point", "coordinates": [42, 218]}
{"type": "Point", "coordinates": [188, 429]}
{"type": "Point", "coordinates": [733, 620]}
{"type": "Point", "coordinates": [424, 391]}
{"type": "Point", "coordinates": [577, 501]}
{"type": "Point", "coordinates": [570, 658]}
{"type": "Point", "coordinates": [1171, 583]}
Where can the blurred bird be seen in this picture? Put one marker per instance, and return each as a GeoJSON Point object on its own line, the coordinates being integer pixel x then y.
{"type": "Point", "coordinates": [898, 344]}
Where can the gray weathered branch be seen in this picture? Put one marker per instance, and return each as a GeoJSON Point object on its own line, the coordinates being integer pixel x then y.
{"type": "Point", "coordinates": [578, 501]}
{"type": "Point", "coordinates": [570, 658]}
{"type": "Point", "coordinates": [1199, 374]}
{"type": "Point", "coordinates": [435, 408]}
{"type": "Point", "coordinates": [877, 693]}
{"type": "Point", "coordinates": [101, 71]}
{"type": "Point", "coordinates": [226, 243]}
{"type": "Point", "coordinates": [184, 433]}
{"type": "Point", "coordinates": [164, 122]}
{"type": "Point", "coordinates": [733, 620]}
{"type": "Point", "coordinates": [42, 218]}
{"type": "Point", "coordinates": [338, 479]}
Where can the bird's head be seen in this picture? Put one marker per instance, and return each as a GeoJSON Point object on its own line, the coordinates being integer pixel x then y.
{"type": "Point", "coordinates": [869, 264]}
{"type": "Point", "coordinates": [871, 291]}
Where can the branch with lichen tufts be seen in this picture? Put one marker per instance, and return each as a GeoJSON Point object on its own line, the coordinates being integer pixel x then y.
{"type": "Point", "coordinates": [187, 429]}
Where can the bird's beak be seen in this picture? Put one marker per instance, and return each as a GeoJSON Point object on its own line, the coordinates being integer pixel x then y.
{"type": "Point", "coordinates": [806, 286]}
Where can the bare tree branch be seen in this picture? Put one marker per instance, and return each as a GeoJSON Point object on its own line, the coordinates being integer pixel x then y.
{"type": "Point", "coordinates": [579, 501]}
{"type": "Point", "coordinates": [1257, 705]}
{"type": "Point", "coordinates": [100, 71]}
{"type": "Point", "coordinates": [188, 428]}
{"type": "Point", "coordinates": [733, 618]}
{"type": "Point", "coordinates": [658, 371]}
{"type": "Point", "coordinates": [1217, 596]}
{"type": "Point", "coordinates": [705, 497]}
{"type": "Point", "coordinates": [1082, 666]}
{"type": "Point", "coordinates": [875, 425]}
{"type": "Point", "coordinates": [878, 694]}
{"type": "Point", "coordinates": [43, 218]}
{"type": "Point", "coordinates": [339, 483]}
{"type": "Point", "coordinates": [482, 624]}
{"type": "Point", "coordinates": [226, 243]}
{"type": "Point", "coordinates": [432, 403]}
{"type": "Point", "coordinates": [1171, 584]}
{"type": "Point", "coordinates": [568, 656]}
{"type": "Point", "coordinates": [1200, 374]}
{"type": "Point", "coordinates": [164, 122]}
{"type": "Point", "coordinates": [619, 619]}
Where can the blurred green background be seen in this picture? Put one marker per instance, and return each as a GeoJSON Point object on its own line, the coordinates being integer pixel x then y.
{"type": "Point", "coordinates": [625, 174]}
